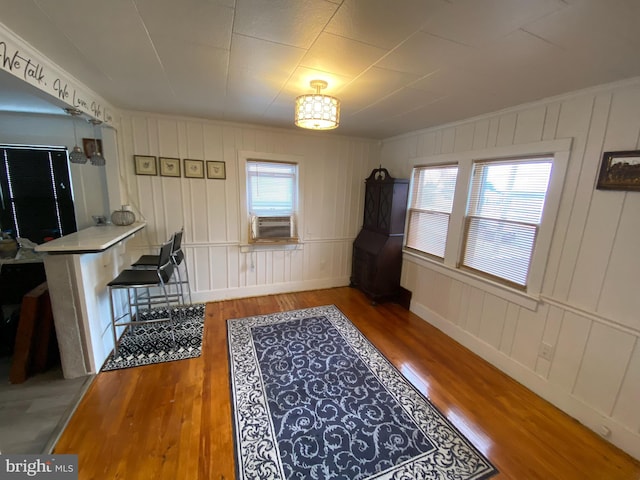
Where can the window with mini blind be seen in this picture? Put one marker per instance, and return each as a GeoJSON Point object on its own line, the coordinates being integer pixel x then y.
{"type": "Point", "coordinates": [486, 217]}
{"type": "Point", "coordinates": [272, 191]}
{"type": "Point", "coordinates": [36, 199]}
{"type": "Point", "coordinates": [503, 217]}
{"type": "Point", "coordinates": [430, 205]}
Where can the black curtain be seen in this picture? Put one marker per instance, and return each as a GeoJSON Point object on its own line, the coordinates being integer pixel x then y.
{"type": "Point", "coordinates": [37, 201]}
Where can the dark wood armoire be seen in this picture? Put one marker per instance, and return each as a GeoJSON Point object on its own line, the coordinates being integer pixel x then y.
{"type": "Point", "coordinates": [377, 250]}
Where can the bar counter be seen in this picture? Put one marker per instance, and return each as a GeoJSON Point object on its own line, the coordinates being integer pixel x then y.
{"type": "Point", "coordinates": [90, 240]}
{"type": "Point", "coordinates": [78, 268]}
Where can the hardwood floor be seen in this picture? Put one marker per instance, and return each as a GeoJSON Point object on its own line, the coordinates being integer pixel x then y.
{"type": "Point", "coordinates": [173, 420]}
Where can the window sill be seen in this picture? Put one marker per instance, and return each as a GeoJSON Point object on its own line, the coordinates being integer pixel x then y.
{"type": "Point", "coordinates": [523, 299]}
{"type": "Point", "coordinates": [270, 246]}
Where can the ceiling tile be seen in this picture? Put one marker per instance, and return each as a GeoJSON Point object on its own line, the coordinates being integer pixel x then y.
{"type": "Point", "coordinates": [300, 82]}
{"type": "Point", "coordinates": [291, 22]}
{"type": "Point", "coordinates": [115, 37]}
{"type": "Point", "coordinates": [474, 23]}
{"type": "Point", "coordinates": [342, 56]}
{"type": "Point", "coordinates": [375, 83]}
{"type": "Point", "coordinates": [423, 53]}
{"type": "Point", "coordinates": [274, 61]}
{"type": "Point", "coordinates": [370, 22]}
{"type": "Point", "coordinates": [604, 34]}
{"type": "Point", "coordinates": [400, 101]}
{"type": "Point", "coordinates": [191, 21]}
{"type": "Point", "coordinates": [189, 66]}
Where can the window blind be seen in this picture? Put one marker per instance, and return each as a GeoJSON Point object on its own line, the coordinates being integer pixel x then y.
{"type": "Point", "coordinates": [503, 216]}
{"type": "Point", "coordinates": [35, 192]}
{"type": "Point", "coordinates": [430, 208]}
{"type": "Point", "coordinates": [271, 188]}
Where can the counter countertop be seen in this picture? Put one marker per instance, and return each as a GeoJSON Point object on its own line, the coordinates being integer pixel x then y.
{"type": "Point", "coordinates": [90, 240]}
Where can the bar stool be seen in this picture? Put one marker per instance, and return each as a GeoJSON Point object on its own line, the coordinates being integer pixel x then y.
{"type": "Point", "coordinates": [177, 257]}
{"type": "Point", "coordinates": [131, 280]}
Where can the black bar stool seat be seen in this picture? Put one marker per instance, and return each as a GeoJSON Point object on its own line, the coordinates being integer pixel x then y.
{"type": "Point", "coordinates": [146, 261]}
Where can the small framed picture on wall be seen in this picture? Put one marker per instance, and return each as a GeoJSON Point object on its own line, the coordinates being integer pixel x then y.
{"type": "Point", "coordinates": [620, 171]}
{"type": "Point", "coordinates": [169, 167]}
{"type": "Point", "coordinates": [193, 168]}
{"type": "Point", "coordinates": [145, 165]}
{"type": "Point", "coordinates": [89, 146]}
{"type": "Point", "coordinates": [216, 170]}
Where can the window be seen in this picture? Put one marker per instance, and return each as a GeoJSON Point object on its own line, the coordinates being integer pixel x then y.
{"type": "Point", "coordinates": [503, 217]}
{"type": "Point", "coordinates": [486, 217]}
{"type": "Point", "coordinates": [271, 188]}
{"type": "Point", "coordinates": [430, 208]}
{"type": "Point", "coordinates": [36, 201]}
{"type": "Point", "coordinates": [272, 201]}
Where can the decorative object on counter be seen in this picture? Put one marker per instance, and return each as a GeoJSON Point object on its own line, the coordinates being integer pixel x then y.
{"type": "Point", "coordinates": [100, 220]}
{"type": "Point", "coordinates": [317, 111]}
{"type": "Point", "coordinates": [123, 217]}
{"type": "Point", "coordinates": [620, 171]}
{"type": "Point", "coordinates": [193, 168]}
{"type": "Point", "coordinates": [8, 247]}
{"type": "Point", "coordinates": [216, 170]}
{"type": "Point", "coordinates": [169, 167]}
{"type": "Point", "coordinates": [145, 165]}
{"type": "Point", "coordinates": [76, 155]}
{"type": "Point", "coordinates": [96, 157]}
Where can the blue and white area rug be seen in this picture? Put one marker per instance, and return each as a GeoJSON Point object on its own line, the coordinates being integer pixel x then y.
{"type": "Point", "coordinates": [314, 399]}
{"type": "Point", "coordinates": [159, 342]}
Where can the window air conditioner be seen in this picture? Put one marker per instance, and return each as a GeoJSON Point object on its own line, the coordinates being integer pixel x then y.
{"type": "Point", "coordinates": [272, 228]}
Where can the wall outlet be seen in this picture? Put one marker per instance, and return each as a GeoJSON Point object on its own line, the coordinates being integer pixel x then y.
{"type": "Point", "coordinates": [546, 351]}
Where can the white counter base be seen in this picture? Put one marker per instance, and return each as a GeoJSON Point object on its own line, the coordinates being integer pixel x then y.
{"type": "Point", "coordinates": [78, 270]}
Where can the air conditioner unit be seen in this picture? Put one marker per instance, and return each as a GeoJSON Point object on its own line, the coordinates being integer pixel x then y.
{"type": "Point", "coordinates": [272, 228]}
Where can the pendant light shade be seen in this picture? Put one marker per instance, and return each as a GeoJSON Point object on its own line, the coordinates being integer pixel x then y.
{"type": "Point", "coordinates": [96, 157]}
{"type": "Point", "coordinates": [76, 155]}
{"type": "Point", "coordinates": [317, 111]}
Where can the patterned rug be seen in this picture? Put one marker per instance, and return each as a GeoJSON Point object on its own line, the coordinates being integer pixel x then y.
{"type": "Point", "coordinates": [314, 399]}
{"type": "Point", "coordinates": [154, 342]}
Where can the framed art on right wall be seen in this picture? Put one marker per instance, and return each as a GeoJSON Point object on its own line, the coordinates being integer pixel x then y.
{"type": "Point", "coordinates": [620, 171]}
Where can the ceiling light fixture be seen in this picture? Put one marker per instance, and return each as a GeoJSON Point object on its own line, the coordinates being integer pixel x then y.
{"type": "Point", "coordinates": [76, 155]}
{"type": "Point", "coordinates": [96, 157]}
{"type": "Point", "coordinates": [317, 111]}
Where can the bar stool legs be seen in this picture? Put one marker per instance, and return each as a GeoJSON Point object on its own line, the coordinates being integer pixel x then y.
{"type": "Point", "coordinates": [135, 279]}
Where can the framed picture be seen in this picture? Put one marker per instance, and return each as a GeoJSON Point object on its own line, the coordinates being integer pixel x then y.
{"type": "Point", "coordinates": [169, 167]}
{"type": "Point", "coordinates": [193, 168]}
{"type": "Point", "coordinates": [145, 165]}
{"type": "Point", "coordinates": [216, 170]}
{"type": "Point", "coordinates": [89, 146]}
{"type": "Point", "coordinates": [620, 171]}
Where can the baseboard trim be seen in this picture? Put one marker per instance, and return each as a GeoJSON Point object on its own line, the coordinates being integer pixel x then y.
{"type": "Point", "coordinates": [590, 417]}
{"type": "Point", "coordinates": [271, 289]}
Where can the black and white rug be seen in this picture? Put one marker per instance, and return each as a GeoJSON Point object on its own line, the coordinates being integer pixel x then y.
{"type": "Point", "coordinates": [314, 399]}
{"type": "Point", "coordinates": [154, 343]}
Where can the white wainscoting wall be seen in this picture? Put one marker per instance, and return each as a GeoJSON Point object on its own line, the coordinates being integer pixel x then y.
{"type": "Point", "coordinates": [333, 170]}
{"type": "Point", "coordinates": [589, 310]}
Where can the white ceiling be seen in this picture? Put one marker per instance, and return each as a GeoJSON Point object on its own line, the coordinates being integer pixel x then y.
{"type": "Point", "coordinates": [396, 65]}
